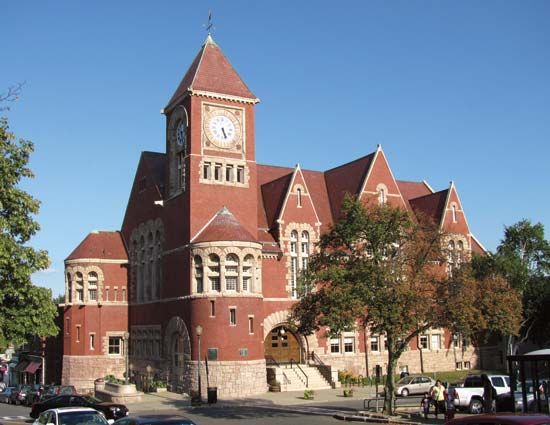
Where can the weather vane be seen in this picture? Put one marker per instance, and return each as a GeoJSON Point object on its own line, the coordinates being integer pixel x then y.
{"type": "Point", "coordinates": [210, 25]}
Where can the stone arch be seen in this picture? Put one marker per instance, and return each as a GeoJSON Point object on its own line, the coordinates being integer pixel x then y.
{"type": "Point", "coordinates": [178, 374]}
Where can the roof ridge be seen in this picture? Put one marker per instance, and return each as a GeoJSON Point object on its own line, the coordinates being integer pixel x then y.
{"type": "Point", "coordinates": [350, 162]}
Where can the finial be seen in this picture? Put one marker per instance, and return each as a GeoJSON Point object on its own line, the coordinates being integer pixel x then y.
{"type": "Point", "coordinates": [209, 26]}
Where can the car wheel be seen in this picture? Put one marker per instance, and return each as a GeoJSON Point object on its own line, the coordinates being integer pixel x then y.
{"type": "Point", "coordinates": [404, 392]}
{"type": "Point", "coordinates": [476, 407]}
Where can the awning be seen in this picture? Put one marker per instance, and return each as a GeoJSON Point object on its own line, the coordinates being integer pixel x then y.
{"type": "Point", "coordinates": [21, 366]}
{"type": "Point", "coordinates": [33, 367]}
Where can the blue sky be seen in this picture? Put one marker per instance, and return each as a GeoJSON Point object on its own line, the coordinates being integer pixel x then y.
{"type": "Point", "coordinates": [452, 90]}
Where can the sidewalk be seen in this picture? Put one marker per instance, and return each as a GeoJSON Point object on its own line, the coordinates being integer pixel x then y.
{"type": "Point", "coordinates": [330, 402]}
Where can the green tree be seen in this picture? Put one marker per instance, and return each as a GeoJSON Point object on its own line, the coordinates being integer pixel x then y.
{"type": "Point", "coordinates": [379, 269]}
{"type": "Point", "coordinates": [523, 258]}
{"type": "Point", "coordinates": [25, 310]}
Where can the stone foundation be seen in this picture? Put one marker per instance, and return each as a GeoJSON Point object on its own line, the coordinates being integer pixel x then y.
{"type": "Point", "coordinates": [82, 371]}
{"type": "Point", "coordinates": [431, 360]}
{"type": "Point", "coordinates": [233, 379]}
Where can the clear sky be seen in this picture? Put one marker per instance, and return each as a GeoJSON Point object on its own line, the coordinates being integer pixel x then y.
{"type": "Point", "coordinates": [453, 90]}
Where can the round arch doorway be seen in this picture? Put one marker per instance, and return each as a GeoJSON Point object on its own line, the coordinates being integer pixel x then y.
{"type": "Point", "coordinates": [282, 346]}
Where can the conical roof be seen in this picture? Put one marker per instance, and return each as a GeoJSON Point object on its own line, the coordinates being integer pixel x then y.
{"type": "Point", "coordinates": [211, 71]}
{"type": "Point", "coordinates": [224, 227]}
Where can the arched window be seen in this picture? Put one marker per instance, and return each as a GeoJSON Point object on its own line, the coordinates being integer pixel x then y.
{"type": "Point", "coordinates": [293, 242]}
{"type": "Point", "coordinates": [304, 242]}
{"type": "Point", "coordinates": [134, 268]}
{"type": "Point", "coordinates": [149, 264]}
{"type": "Point", "coordinates": [293, 263]}
{"type": "Point", "coordinates": [69, 288]}
{"type": "Point", "coordinates": [299, 196]}
{"type": "Point", "coordinates": [79, 287]}
{"type": "Point", "coordinates": [199, 280]}
{"type": "Point", "coordinates": [231, 272]}
{"type": "Point", "coordinates": [92, 286]}
{"type": "Point", "coordinates": [248, 273]}
{"type": "Point", "coordinates": [141, 269]}
{"type": "Point", "coordinates": [214, 272]}
{"type": "Point", "coordinates": [451, 253]}
{"type": "Point", "coordinates": [453, 210]}
{"type": "Point", "coordinates": [382, 196]}
{"type": "Point", "coordinates": [158, 261]}
{"type": "Point", "coordinates": [460, 251]}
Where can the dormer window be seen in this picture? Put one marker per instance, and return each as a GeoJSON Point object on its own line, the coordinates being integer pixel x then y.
{"type": "Point", "coordinates": [381, 196]}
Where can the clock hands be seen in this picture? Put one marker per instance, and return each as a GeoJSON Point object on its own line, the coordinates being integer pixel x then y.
{"type": "Point", "coordinates": [224, 135]}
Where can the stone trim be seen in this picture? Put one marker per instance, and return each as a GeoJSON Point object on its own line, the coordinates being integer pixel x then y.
{"type": "Point", "coordinates": [222, 96]}
{"type": "Point", "coordinates": [70, 299]}
{"type": "Point", "coordinates": [95, 260]}
{"type": "Point", "coordinates": [242, 250]}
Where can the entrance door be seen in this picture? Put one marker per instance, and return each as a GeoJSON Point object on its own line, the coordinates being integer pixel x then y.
{"type": "Point", "coordinates": [282, 345]}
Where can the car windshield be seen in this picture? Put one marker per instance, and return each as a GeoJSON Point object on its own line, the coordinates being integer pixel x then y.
{"type": "Point", "coordinates": [405, 380]}
{"type": "Point", "coordinates": [91, 399]}
{"type": "Point", "coordinates": [81, 418]}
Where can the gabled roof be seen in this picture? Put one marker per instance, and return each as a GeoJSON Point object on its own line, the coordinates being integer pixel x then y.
{"type": "Point", "coordinates": [223, 227]}
{"type": "Point", "coordinates": [104, 245]}
{"type": "Point", "coordinates": [211, 71]}
{"type": "Point", "coordinates": [347, 178]}
{"type": "Point", "coordinates": [432, 206]}
{"type": "Point", "coordinates": [155, 162]}
{"type": "Point", "coordinates": [273, 195]}
{"type": "Point", "coordinates": [411, 190]}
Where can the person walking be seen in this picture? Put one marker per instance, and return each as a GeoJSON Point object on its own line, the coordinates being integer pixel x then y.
{"type": "Point", "coordinates": [438, 397]}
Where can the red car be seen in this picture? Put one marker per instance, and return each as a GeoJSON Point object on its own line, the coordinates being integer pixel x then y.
{"type": "Point", "coordinates": [502, 419]}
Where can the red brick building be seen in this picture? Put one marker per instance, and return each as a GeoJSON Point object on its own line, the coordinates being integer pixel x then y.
{"type": "Point", "coordinates": [212, 238]}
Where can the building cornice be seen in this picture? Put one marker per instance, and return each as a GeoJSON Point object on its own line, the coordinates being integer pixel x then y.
{"type": "Point", "coordinates": [95, 260]}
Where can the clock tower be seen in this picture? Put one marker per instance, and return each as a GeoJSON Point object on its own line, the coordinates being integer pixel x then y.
{"type": "Point", "coordinates": [210, 141]}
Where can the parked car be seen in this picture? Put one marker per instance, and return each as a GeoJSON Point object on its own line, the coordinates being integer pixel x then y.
{"type": "Point", "coordinates": [470, 396]}
{"type": "Point", "coordinates": [501, 419]}
{"type": "Point", "coordinates": [72, 416]}
{"type": "Point", "coordinates": [413, 385]}
{"type": "Point", "coordinates": [5, 396]}
{"type": "Point", "coordinates": [51, 391]}
{"type": "Point", "coordinates": [155, 420]}
{"type": "Point", "coordinates": [110, 410]}
{"type": "Point", "coordinates": [19, 395]}
{"type": "Point", "coordinates": [33, 394]}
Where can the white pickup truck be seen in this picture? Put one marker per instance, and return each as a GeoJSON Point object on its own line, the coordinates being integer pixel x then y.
{"type": "Point", "coordinates": [470, 395]}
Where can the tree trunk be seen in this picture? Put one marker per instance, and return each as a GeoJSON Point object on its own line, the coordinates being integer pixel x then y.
{"type": "Point", "coordinates": [389, 393]}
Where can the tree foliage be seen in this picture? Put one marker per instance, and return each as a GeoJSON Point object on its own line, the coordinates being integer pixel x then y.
{"type": "Point", "coordinates": [380, 269]}
{"type": "Point", "coordinates": [25, 310]}
{"type": "Point", "coordinates": [523, 258]}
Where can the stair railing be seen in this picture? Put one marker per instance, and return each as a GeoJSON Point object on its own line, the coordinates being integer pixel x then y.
{"type": "Point", "coordinates": [305, 379]}
{"type": "Point", "coordinates": [324, 369]}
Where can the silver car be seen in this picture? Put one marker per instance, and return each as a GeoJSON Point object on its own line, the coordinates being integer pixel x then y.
{"type": "Point", "coordinates": [413, 385]}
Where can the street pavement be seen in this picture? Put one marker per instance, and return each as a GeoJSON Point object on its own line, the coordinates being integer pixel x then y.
{"type": "Point", "coordinates": [268, 408]}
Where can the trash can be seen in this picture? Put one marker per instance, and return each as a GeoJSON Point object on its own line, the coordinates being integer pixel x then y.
{"type": "Point", "coordinates": [212, 395]}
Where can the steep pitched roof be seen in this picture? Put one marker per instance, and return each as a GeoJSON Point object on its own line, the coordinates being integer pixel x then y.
{"type": "Point", "coordinates": [433, 205]}
{"type": "Point", "coordinates": [211, 71]}
{"type": "Point", "coordinates": [155, 162]}
{"type": "Point", "coordinates": [104, 245]}
{"type": "Point", "coordinates": [273, 196]}
{"type": "Point", "coordinates": [347, 178]}
{"type": "Point", "coordinates": [411, 190]}
{"type": "Point", "coordinates": [224, 227]}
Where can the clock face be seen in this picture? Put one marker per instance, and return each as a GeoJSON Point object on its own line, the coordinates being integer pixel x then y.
{"type": "Point", "coordinates": [222, 128]}
{"type": "Point", "coordinates": [181, 134]}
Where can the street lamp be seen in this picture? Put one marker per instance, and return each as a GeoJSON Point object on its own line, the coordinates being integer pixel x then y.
{"type": "Point", "coordinates": [198, 329]}
{"type": "Point", "coordinates": [126, 338]}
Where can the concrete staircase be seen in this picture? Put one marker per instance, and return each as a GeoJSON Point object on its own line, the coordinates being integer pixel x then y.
{"type": "Point", "coordinates": [292, 378]}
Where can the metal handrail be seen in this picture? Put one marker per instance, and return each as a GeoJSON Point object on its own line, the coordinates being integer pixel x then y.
{"type": "Point", "coordinates": [272, 361]}
{"type": "Point", "coordinates": [305, 375]}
